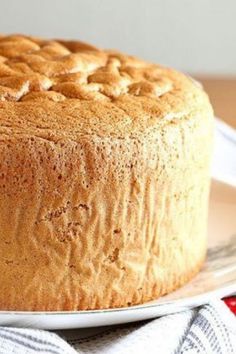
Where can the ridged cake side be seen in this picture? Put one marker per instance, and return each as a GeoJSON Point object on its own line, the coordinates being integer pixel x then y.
{"type": "Point", "coordinates": [102, 222]}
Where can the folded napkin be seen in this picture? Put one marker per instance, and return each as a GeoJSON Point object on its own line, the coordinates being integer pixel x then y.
{"type": "Point", "coordinates": [209, 329]}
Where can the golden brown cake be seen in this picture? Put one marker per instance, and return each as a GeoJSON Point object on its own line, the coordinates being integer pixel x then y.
{"type": "Point", "coordinates": [104, 177]}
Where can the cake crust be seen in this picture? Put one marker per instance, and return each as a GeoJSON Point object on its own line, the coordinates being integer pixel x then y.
{"type": "Point", "coordinates": [104, 176]}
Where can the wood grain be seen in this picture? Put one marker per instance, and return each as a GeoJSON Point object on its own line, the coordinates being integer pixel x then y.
{"type": "Point", "coordinates": [222, 93]}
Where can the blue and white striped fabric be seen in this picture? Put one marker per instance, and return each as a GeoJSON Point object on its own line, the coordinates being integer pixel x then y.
{"type": "Point", "coordinates": [28, 341]}
{"type": "Point", "coordinates": [210, 329]}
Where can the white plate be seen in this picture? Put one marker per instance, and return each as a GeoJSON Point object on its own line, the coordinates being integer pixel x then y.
{"type": "Point", "coordinates": [216, 280]}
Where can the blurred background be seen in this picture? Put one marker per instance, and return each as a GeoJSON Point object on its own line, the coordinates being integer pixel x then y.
{"type": "Point", "coordinates": [197, 37]}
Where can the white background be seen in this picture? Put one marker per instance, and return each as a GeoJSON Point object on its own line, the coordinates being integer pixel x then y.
{"type": "Point", "coordinates": [197, 36]}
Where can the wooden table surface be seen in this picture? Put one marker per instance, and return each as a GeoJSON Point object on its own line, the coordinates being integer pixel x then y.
{"type": "Point", "coordinates": [222, 93]}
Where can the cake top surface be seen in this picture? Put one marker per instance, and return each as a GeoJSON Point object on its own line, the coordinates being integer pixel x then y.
{"type": "Point", "coordinates": [59, 87]}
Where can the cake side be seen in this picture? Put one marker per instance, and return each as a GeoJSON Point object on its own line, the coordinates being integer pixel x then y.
{"type": "Point", "coordinates": [103, 222]}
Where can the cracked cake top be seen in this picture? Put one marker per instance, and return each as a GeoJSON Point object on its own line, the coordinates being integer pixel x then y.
{"type": "Point", "coordinates": [58, 87]}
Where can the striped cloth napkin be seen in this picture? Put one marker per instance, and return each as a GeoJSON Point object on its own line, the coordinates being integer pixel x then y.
{"type": "Point", "coordinates": [209, 329]}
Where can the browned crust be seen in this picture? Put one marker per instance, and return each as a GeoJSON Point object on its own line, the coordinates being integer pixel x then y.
{"type": "Point", "coordinates": [52, 83]}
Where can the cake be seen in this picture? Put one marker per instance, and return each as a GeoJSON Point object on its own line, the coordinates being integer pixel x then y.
{"type": "Point", "coordinates": [104, 177]}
